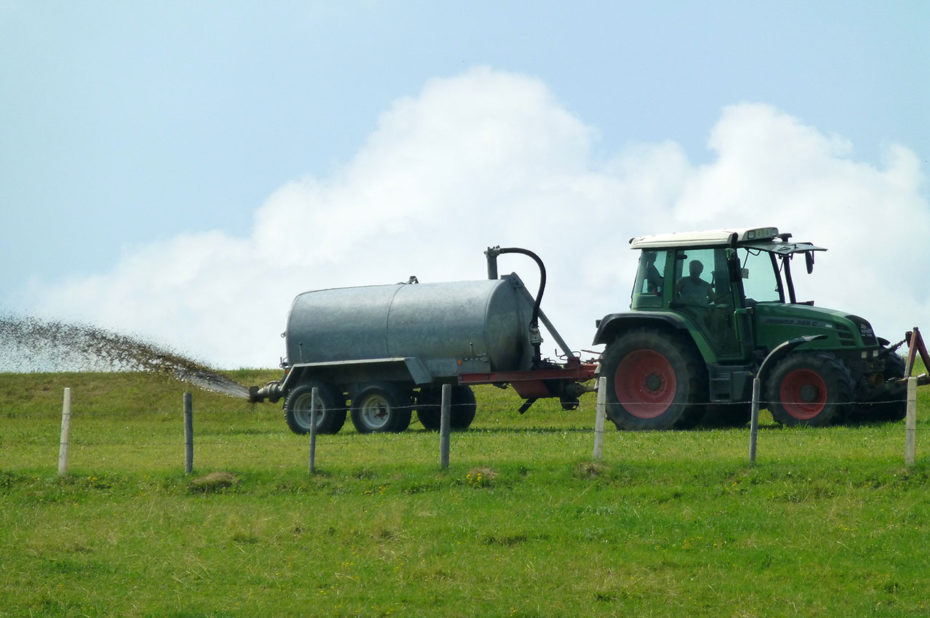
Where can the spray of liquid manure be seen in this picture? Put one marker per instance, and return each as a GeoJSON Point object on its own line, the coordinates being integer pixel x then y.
{"type": "Point", "coordinates": [33, 345]}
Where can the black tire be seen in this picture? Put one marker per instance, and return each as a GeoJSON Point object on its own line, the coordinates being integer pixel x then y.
{"type": "Point", "coordinates": [330, 409]}
{"type": "Point", "coordinates": [809, 388]}
{"type": "Point", "coordinates": [381, 408]}
{"type": "Point", "coordinates": [888, 402]}
{"type": "Point", "coordinates": [464, 407]}
{"type": "Point", "coordinates": [654, 381]}
{"type": "Point", "coordinates": [727, 415]}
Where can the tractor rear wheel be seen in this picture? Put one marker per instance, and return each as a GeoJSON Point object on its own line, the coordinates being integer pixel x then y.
{"type": "Point", "coordinates": [381, 407]}
{"type": "Point", "coordinates": [464, 406]}
{"type": "Point", "coordinates": [330, 408]}
{"type": "Point", "coordinates": [812, 389]}
{"type": "Point", "coordinates": [654, 381]}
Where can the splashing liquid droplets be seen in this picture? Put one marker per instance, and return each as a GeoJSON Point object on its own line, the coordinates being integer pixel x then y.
{"type": "Point", "coordinates": [29, 344]}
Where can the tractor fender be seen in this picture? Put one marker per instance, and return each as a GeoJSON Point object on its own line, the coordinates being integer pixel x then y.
{"type": "Point", "coordinates": [616, 323]}
{"type": "Point", "coordinates": [611, 325]}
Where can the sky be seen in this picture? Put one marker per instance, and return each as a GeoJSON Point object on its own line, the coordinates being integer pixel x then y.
{"type": "Point", "coordinates": [179, 171]}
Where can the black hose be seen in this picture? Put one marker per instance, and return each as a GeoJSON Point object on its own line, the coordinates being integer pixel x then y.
{"type": "Point", "coordinates": [542, 278]}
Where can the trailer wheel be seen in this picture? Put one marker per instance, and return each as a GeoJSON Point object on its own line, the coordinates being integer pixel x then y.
{"type": "Point", "coordinates": [809, 389]}
{"type": "Point", "coordinates": [654, 381]}
{"type": "Point", "coordinates": [380, 408]}
{"type": "Point", "coordinates": [464, 406]}
{"type": "Point", "coordinates": [330, 409]}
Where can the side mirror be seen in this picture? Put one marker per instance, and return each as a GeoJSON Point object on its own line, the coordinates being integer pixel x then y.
{"type": "Point", "coordinates": [809, 260]}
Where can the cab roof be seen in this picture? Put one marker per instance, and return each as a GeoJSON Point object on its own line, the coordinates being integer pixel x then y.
{"type": "Point", "coordinates": [763, 238]}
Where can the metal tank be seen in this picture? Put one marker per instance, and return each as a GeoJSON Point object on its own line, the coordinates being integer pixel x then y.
{"type": "Point", "coordinates": [452, 328]}
{"type": "Point", "coordinates": [383, 351]}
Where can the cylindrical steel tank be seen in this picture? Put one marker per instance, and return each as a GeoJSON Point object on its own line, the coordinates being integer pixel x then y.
{"type": "Point", "coordinates": [458, 327]}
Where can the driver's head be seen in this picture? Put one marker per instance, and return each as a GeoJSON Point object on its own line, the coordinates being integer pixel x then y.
{"type": "Point", "coordinates": [696, 268]}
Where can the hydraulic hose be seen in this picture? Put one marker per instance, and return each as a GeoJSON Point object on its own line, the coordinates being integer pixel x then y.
{"type": "Point", "coordinates": [542, 274]}
{"type": "Point", "coordinates": [492, 254]}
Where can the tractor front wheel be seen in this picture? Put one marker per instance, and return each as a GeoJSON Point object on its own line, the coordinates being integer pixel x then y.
{"type": "Point", "coordinates": [809, 389]}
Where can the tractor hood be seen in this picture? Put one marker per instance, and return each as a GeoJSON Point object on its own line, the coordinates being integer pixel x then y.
{"type": "Point", "coordinates": [777, 322]}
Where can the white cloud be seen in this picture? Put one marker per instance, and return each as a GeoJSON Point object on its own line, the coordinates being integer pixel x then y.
{"type": "Point", "coordinates": [492, 158]}
{"type": "Point", "coordinates": [772, 169]}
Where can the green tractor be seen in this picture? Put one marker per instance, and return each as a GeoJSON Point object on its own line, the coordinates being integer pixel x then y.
{"type": "Point", "coordinates": [706, 310]}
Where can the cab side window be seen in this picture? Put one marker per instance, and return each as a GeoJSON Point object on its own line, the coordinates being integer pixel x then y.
{"type": "Point", "coordinates": [693, 271]}
{"type": "Point", "coordinates": [650, 279]}
{"type": "Point", "coordinates": [703, 293]}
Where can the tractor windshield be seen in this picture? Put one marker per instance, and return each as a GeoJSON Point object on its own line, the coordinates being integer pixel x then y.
{"type": "Point", "coordinates": [766, 269]}
{"type": "Point", "coordinates": [762, 281]}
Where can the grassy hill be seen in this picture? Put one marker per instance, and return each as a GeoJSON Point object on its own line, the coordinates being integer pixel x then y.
{"type": "Point", "coordinates": [524, 523]}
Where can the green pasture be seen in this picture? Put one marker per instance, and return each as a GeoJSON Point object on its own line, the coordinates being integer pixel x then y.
{"type": "Point", "coordinates": [829, 522]}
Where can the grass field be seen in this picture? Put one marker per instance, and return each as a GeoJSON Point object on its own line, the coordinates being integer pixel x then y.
{"type": "Point", "coordinates": [828, 522]}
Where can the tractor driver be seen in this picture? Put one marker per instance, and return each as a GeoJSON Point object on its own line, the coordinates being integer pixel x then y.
{"type": "Point", "coordinates": [692, 290]}
{"type": "Point", "coordinates": [652, 276]}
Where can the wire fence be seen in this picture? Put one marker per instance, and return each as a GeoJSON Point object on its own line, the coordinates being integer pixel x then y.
{"type": "Point", "coordinates": [587, 406]}
{"type": "Point", "coordinates": [904, 408]}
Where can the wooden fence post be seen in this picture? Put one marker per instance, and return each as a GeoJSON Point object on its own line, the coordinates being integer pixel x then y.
{"type": "Point", "coordinates": [600, 417]}
{"type": "Point", "coordinates": [314, 393]}
{"type": "Point", "coordinates": [65, 433]}
{"type": "Point", "coordinates": [754, 418]}
{"type": "Point", "coordinates": [188, 434]}
{"type": "Point", "coordinates": [445, 422]}
{"type": "Point", "coordinates": [910, 423]}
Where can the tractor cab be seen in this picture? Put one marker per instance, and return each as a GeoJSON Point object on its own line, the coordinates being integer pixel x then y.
{"type": "Point", "coordinates": [730, 286]}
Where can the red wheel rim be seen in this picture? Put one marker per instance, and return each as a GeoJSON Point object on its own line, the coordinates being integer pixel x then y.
{"type": "Point", "coordinates": [803, 394]}
{"type": "Point", "coordinates": [645, 383]}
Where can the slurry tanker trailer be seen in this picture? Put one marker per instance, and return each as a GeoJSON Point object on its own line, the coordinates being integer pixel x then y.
{"type": "Point", "coordinates": [706, 309]}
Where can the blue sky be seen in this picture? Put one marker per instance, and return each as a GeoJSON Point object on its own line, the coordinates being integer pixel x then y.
{"type": "Point", "coordinates": [147, 140]}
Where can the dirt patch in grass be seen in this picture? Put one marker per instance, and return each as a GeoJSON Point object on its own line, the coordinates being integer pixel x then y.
{"type": "Point", "coordinates": [215, 482]}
